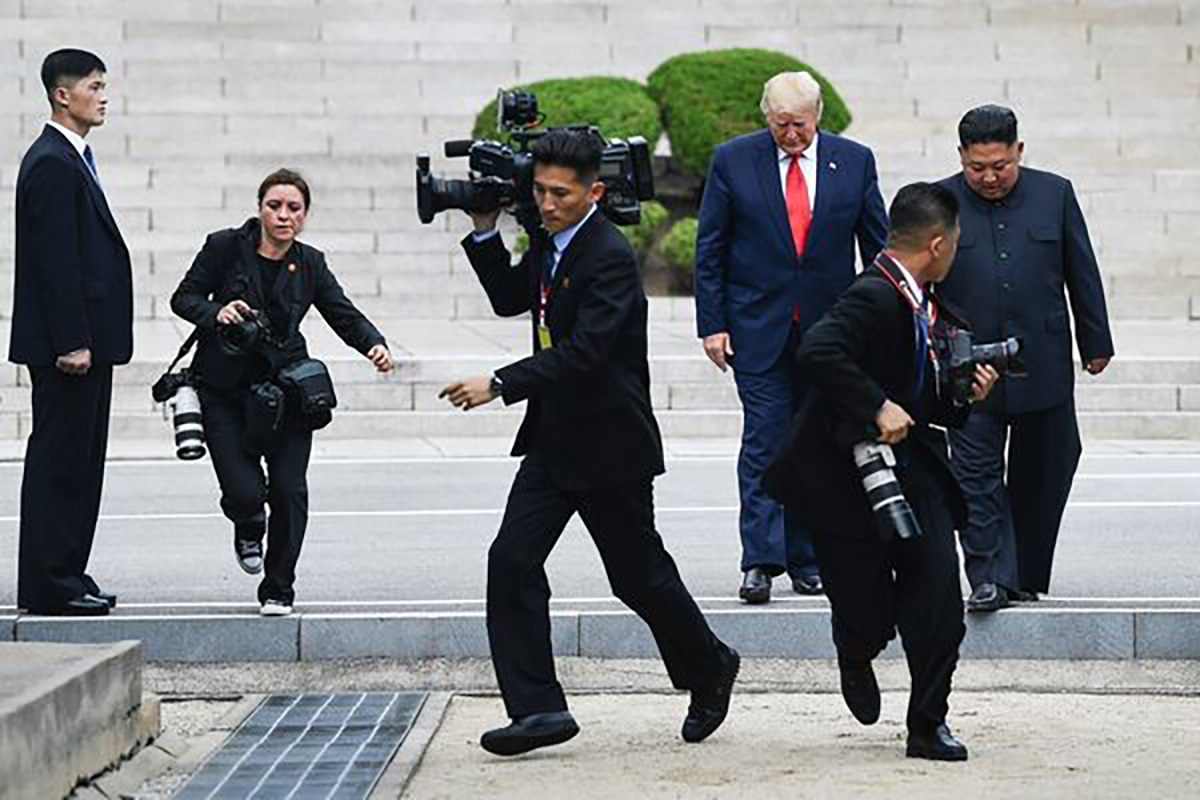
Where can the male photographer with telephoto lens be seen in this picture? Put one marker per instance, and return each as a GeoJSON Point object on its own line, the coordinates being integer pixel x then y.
{"type": "Point", "coordinates": [871, 363]}
{"type": "Point", "coordinates": [247, 292]}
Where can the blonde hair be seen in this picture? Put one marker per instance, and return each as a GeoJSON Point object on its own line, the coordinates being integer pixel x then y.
{"type": "Point", "coordinates": [791, 91]}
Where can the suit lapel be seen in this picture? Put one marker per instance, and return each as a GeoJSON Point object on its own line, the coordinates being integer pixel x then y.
{"type": "Point", "coordinates": [94, 190]}
{"type": "Point", "coordinates": [567, 260]}
{"type": "Point", "coordinates": [767, 166]}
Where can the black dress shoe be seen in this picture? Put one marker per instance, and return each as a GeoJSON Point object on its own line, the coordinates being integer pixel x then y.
{"type": "Point", "coordinates": [808, 584]}
{"type": "Point", "coordinates": [92, 589]}
{"type": "Point", "coordinates": [83, 606]}
{"type": "Point", "coordinates": [529, 733]}
{"type": "Point", "coordinates": [109, 600]}
{"type": "Point", "coordinates": [860, 691]}
{"type": "Point", "coordinates": [709, 706]}
{"type": "Point", "coordinates": [756, 586]}
{"type": "Point", "coordinates": [987, 597]}
{"type": "Point", "coordinates": [1023, 596]}
{"type": "Point", "coordinates": [937, 745]}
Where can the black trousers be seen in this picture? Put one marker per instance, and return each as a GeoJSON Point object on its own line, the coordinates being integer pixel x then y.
{"type": "Point", "coordinates": [61, 485]}
{"type": "Point", "coordinates": [642, 574]}
{"type": "Point", "coordinates": [245, 489]}
{"type": "Point", "coordinates": [877, 587]}
{"type": "Point", "coordinates": [1015, 513]}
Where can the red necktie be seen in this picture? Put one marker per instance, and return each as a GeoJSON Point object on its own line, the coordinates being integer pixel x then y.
{"type": "Point", "coordinates": [798, 210]}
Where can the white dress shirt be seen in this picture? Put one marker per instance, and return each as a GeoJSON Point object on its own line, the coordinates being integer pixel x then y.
{"type": "Point", "coordinates": [808, 166]}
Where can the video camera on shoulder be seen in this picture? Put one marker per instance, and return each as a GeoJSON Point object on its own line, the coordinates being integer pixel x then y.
{"type": "Point", "coordinates": [958, 355]}
{"type": "Point", "coordinates": [502, 177]}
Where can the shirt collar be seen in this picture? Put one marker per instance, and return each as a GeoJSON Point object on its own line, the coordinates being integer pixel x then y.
{"type": "Point", "coordinates": [810, 152]}
{"type": "Point", "coordinates": [74, 138]}
{"type": "Point", "coordinates": [1011, 200]}
{"type": "Point", "coordinates": [564, 237]}
{"type": "Point", "coordinates": [917, 291]}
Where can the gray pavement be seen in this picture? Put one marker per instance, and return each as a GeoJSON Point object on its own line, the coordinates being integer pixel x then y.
{"type": "Point", "coordinates": [417, 529]}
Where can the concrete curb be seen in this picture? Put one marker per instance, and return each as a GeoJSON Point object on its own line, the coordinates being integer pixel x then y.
{"type": "Point", "coordinates": [1059, 631]}
{"type": "Point", "coordinates": [73, 714]}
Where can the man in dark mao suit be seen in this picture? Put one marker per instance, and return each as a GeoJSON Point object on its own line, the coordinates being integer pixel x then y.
{"type": "Point", "coordinates": [590, 445]}
{"type": "Point", "coordinates": [1024, 241]}
{"type": "Point", "coordinates": [72, 322]}
{"type": "Point", "coordinates": [782, 210]}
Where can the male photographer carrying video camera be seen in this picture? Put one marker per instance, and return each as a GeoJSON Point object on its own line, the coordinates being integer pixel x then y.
{"type": "Point", "coordinates": [590, 445]}
{"type": "Point", "coordinates": [871, 361]}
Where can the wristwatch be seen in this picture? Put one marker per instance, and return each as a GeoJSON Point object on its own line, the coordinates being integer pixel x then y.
{"type": "Point", "coordinates": [496, 386]}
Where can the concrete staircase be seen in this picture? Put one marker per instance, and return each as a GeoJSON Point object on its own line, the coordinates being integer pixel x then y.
{"type": "Point", "coordinates": [207, 96]}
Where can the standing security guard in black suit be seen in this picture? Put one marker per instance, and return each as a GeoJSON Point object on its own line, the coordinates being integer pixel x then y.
{"type": "Point", "coordinates": [1023, 241]}
{"type": "Point", "coordinates": [261, 270]}
{"type": "Point", "coordinates": [72, 322]}
{"type": "Point", "coordinates": [870, 363]}
{"type": "Point", "coordinates": [591, 446]}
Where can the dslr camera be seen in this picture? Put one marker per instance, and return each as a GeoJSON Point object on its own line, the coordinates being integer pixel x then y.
{"type": "Point", "coordinates": [502, 176]}
{"type": "Point", "coordinates": [958, 355]}
{"type": "Point", "coordinates": [178, 391]}
{"type": "Point", "coordinates": [245, 337]}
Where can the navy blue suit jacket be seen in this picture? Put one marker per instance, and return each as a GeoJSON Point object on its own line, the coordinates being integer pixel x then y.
{"type": "Point", "coordinates": [1015, 258]}
{"type": "Point", "coordinates": [73, 282]}
{"type": "Point", "coordinates": [748, 278]}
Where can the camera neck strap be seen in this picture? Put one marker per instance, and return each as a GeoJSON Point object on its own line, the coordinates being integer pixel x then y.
{"type": "Point", "coordinates": [187, 345]}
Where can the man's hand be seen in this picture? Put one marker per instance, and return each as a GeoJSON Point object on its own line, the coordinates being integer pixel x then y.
{"type": "Point", "coordinates": [985, 378]}
{"type": "Point", "coordinates": [234, 312]}
{"type": "Point", "coordinates": [1095, 366]}
{"type": "Point", "coordinates": [469, 392]}
{"type": "Point", "coordinates": [718, 349]}
{"type": "Point", "coordinates": [893, 423]}
{"type": "Point", "coordinates": [380, 357]}
{"type": "Point", "coordinates": [77, 362]}
{"type": "Point", "coordinates": [484, 220]}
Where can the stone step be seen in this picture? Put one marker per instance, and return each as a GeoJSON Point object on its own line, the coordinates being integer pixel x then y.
{"type": "Point", "coordinates": [67, 711]}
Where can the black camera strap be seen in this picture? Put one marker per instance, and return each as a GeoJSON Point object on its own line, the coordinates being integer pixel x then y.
{"type": "Point", "coordinates": [187, 345]}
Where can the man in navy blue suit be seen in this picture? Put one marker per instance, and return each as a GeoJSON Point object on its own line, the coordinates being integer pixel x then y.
{"type": "Point", "coordinates": [1023, 242]}
{"type": "Point", "coordinates": [782, 210]}
{"type": "Point", "coordinates": [72, 321]}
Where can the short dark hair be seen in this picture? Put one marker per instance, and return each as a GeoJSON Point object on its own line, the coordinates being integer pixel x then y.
{"type": "Point", "coordinates": [579, 150]}
{"type": "Point", "coordinates": [985, 124]}
{"type": "Point", "coordinates": [919, 211]}
{"type": "Point", "coordinates": [68, 66]}
{"type": "Point", "coordinates": [285, 177]}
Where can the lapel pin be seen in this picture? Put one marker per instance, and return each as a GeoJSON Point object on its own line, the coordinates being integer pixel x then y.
{"type": "Point", "coordinates": [292, 267]}
{"type": "Point", "coordinates": [566, 282]}
{"type": "Point", "coordinates": [833, 165]}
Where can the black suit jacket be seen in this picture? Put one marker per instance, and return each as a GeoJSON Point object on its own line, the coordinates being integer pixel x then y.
{"type": "Point", "coordinates": [1015, 258]}
{"type": "Point", "coordinates": [73, 283]}
{"type": "Point", "coordinates": [861, 353]}
{"type": "Point", "coordinates": [226, 269]}
{"type": "Point", "coordinates": [589, 395]}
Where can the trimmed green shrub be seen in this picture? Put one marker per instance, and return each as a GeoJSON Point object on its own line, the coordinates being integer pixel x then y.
{"type": "Point", "coordinates": [619, 107]}
{"type": "Point", "coordinates": [641, 236]}
{"type": "Point", "coordinates": [709, 97]}
{"type": "Point", "coordinates": [679, 245]}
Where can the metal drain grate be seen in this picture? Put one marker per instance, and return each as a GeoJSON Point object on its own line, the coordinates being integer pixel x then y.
{"type": "Point", "coordinates": [303, 746]}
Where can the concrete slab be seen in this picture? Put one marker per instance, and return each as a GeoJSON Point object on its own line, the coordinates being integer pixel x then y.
{"type": "Point", "coordinates": [1050, 634]}
{"type": "Point", "coordinates": [1167, 634]}
{"type": "Point", "coordinates": [8, 628]}
{"type": "Point", "coordinates": [197, 638]}
{"type": "Point", "coordinates": [413, 636]}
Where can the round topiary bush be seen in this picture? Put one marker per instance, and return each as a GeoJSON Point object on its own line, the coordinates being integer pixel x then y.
{"type": "Point", "coordinates": [709, 97]}
{"type": "Point", "coordinates": [679, 245]}
{"type": "Point", "coordinates": [619, 107]}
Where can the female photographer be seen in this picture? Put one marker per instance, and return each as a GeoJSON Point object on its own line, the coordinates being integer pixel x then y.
{"type": "Point", "coordinates": [246, 292]}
